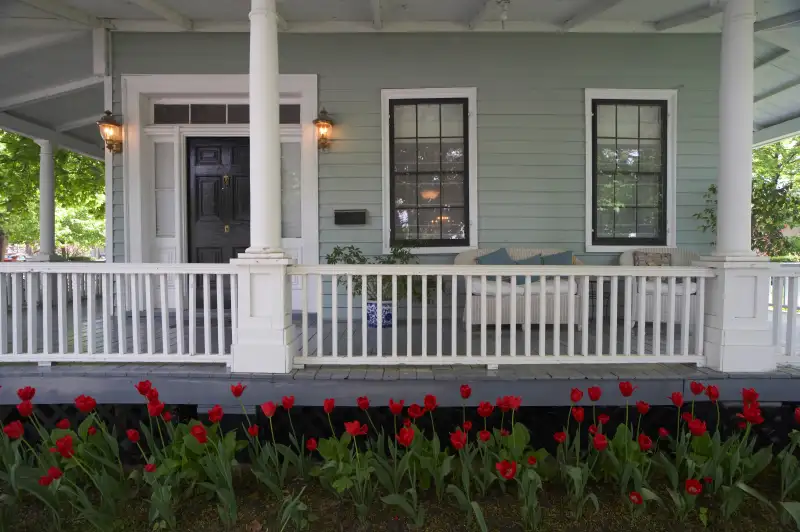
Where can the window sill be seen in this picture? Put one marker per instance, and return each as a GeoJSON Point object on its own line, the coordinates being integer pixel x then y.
{"type": "Point", "coordinates": [443, 250]}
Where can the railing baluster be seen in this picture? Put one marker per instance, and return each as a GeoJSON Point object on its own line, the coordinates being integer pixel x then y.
{"type": "Point", "coordinates": [628, 310]}
{"type": "Point", "coordinates": [700, 317]}
{"type": "Point", "coordinates": [512, 327]}
{"type": "Point", "coordinates": [206, 314]}
{"type": "Point", "coordinates": [149, 314]}
{"type": "Point", "coordinates": [221, 314]}
{"type": "Point", "coordinates": [585, 316]}
{"type": "Point", "coordinates": [409, 323]}
{"type": "Point", "coordinates": [91, 299]}
{"type": "Point", "coordinates": [469, 298]}
{"type": "Point", "coordinates": [528, 317]}
{"type": "Point", "coordinates": [671, 316]}
{"type": "Point", "coordinates": [542, 315]}
{"type": "Point", "coordinates": [122, 329]}
{"type": "Point", "coordinates": [777, 310]}
{"type": "Point", "coordinates": [364, 331]}
{"type": "Point", "coordinates": [379, 318]}
{"type": "Point", "coordinates": [135, 313]}
{"type": "Point", "coordinates": [321, 315]}
{"type": "Point", "coordinates": [657, 317]}
{"type": "Point", "coordinates": [335, 315]}
{"type": "Point", "coordinates": [234, 307]}
{"type": "Point", "coordinates": [16, 314]}
{"type": "Point", "coordinates": [483, 315]}
{"type": "Point", "coordinates": [424, 315]}
{"type": "Point", "coordinates": [165, 336]}
{"type": "Point", "coordinates": [613, 320]}
{"type": "Point", "coordinates": [791, 316]}
{"type": "Point", "coordinates": [557, 316]}
{"type": "Point", "coordinates": [453, 316]}
{"type": "Point", "coordinates": [686, 320]}
{"type": "Point", "coordinates": [394, 316]}
{"type": "Point", "coordinates": [304, 312]}
{"type": "Point", "coordinates": [192, 313]}
{"type": "Point", "coordinates": [498, 315]}
{"type": "Point", "coordinates": [62, 314]}
{"type": "Point", "coordinates": [47, 313]}
{"type": "Point", "coordinates": [4, 313]}
{"type": "Point", "coordinates": [179, 328]}
{"type": "Point", "coordinates": [571, 315]}
{"type": "Point", "coordinates": [598, 341]}
{"type": "Point", "coordinates": [31, 297]}
{"type": "Point", "coordinates": [76, 315]}
{"type": "Point", "coordinates": [349, 315]}
{"type": "Point", "coordinates": [641, 326]}
{"type": "Point", "coordinates": [439, 332]}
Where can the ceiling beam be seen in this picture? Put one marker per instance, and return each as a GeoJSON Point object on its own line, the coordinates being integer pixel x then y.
{"type": "Point", "coordinates": [34, 43]}
{"type": "Point", "coordinates": [774, 23]}
{"type": "Point", "coordinates": [478, 16]}
{"type": "Point", "coordinates": [75, 124]}
{"type": "Point", "coordinates": [775, 132]}
{"type": "Point", "coordinates": [377, 17]}
{"type": "Point", "coordinates": [688, 17]}
{"type": "Point", "coordinates": [771, 58]}
{"type": "Point", "coordinates": [48, 93]}
{"type": "Point", "coordinates": [22, 127]}
{"type": "Point", "coordinates": [588, 13]}
{"type": "Point", "coordinates": [62, 10]}
{"type": "Point", "coordinates": [777, 90]}
{"type": "Point", "coordinates": [167, 13]}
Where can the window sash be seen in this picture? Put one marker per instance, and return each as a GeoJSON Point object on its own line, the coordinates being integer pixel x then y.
{"type": "Point", "coordinates": [662, 239]}
{"type": "Point", "coordinates": [464, 171]}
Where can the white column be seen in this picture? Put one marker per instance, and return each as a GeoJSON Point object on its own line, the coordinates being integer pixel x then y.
{"type": "Point", "coordinates": [734, 184]}
{"type": "Point", "coordinates": [265, 140]}
{"type": "Point", "coordinates": [47, 201]}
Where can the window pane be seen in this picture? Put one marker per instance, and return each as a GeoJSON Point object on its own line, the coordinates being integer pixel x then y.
{"type": "Point", "coordinates": [405, 224]}
{"type": "Point", "coordinates": [650, 122]}
{"type": "Point", "coordinates": [625, 190]}
{"type": "Point", "coordinates": [625, 223]}
{"type": "Point", "coordinates": [209, 114]}
{"type": "Point", "coordinates": [405, 189]}
{"type": "Point", "coordinates": [428, 121]}
{"type": "Point", "coordinates": [647, 223]}
{"type": "Point", "coordinates": [628, 155]}
{"type": "Point", "coordinates": [430, 224]}
{"type": "Point", "coordinates": [453, 224]}
{"type": "Point", "coordinates": [405, 121]}
{"type": "Point", "coordinates": [606, 121]}
{"type": "Point", "coordinates": [453, 190]}
{"type": "Point", "coordinates": [453, 155]}
{"type": "Point", "coordinates": [649, 191]}
{"type": "Point", "coordinates": [289, 113]}
{"type": "Point", "coordinates": [291, 204]}
{"type": "Point", "coordinates": [453, 120]}
{"type": "Point", "coordinates": [605, 223]}
{"type": "Point", "coordinates": [627, 120]}
{"type": "Point", "coordinates": [650, 156]}
{"type": "Point", "coordinates": [430, 189]}
{"type": "Point", "coordinates": [429, 156]}
{"type": "Point", "coordinates": [405, 155]}
{"type": "Point", "coordinates": [239, 114]}
{"type": "Point", "coordinates": [607, 154]}
{"type": "Point", "coordinates": [170, 114]}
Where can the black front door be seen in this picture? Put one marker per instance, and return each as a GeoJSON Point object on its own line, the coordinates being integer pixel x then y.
{"type": "Point", "coordinates": [219, 198]}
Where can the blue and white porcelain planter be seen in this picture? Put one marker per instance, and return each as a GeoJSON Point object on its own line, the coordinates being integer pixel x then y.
{"type": "Point", "coordinates": [372, 315]}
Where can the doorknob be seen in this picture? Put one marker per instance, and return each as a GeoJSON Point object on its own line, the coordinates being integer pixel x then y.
{"type": "Point", "coordinates": [226, 180]}
{"type": "Point", "coordinates": [227, 228]}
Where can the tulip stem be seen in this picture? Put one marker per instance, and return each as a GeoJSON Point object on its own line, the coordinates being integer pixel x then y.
{"type": "Point", "coordinates": [333, 432]}
{"type": "Point", "coordinates": [369, 418]}
{"type": "Point", "coordinates": [639, 427]}
{"type": "Point", "coordinates": [678, 425]}
{"type": "Point", "coordinates": [433, 426]}
{"type": "Point", "coordinates": [718, 415]}
{"type": "Point", "coordinates": [245, 412]}
{"type": "Point", "coordinates": [160, 435]}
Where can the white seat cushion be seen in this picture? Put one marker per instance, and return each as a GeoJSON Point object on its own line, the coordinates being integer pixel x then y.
{"type": "Point", "coordinates": [650, 288]}
{"type": "Point", "coordinates": [505, 288]}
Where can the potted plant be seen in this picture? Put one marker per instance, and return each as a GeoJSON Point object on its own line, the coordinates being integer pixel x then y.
{"type": "Point", "coordinates": [398, 255]}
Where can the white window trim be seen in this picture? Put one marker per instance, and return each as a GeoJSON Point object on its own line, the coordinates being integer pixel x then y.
{"type": "Point", "coordinates": [671, 97]}
{"type": "Point", "coordinates": [471, 94]}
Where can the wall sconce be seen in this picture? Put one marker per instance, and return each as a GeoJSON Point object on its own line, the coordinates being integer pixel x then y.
{"type": "Point", "coordinates": [111, 131]}
{"type": "Point", "coordinates": [324, 125]}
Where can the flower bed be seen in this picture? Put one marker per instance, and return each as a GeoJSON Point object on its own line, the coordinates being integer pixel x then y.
{"type": "Point", "coordinates": [485, 476]}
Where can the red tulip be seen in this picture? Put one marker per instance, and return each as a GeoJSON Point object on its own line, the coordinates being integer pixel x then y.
{"type": "Point", "coordinates": [252, 430]}
{"type": "Point", "coordinates": [430, 403]}
{"type": "Point", "coordinates": [63, 424]}
{"type": "Point", "coordinates": [663, 433]}
{"type": "Point", "coordinates": [712, 392]}
{"type": "Point", "coordinates": [92, 431]}
{"type": "Point", "coordinates": [26, 394]}
{"type": "Point", "coordinates": [407, 423]}
{"type": "Point", "coordinates": [311, 445]}
{"type": "Point", "coordinates": [575, 395]}
{"type": "Point", "coordinates": [687, 417]}
{"type": "Point", "coordinates": [363, 402]}
{"type": "Point", "coordinates": [415, 411]}
{"type": "Point", "coordinates": [677, 399]}
{"type": "Point", "coordinates": [215, 414]}
{"type": "Point", "coordinates": [458, 440]}
{"type": "Point", "coordinates": [626, 388]}
{"type": "Point", "coordinates": [578, 413]}
{"type": "Point", "coordinates": [749, 396]}
{"type": "Point", "coordinates": [560, 437]}
{"type": "Point", "coordinates": [143, 387]}
{"type": "Point", "coordinates": [797, 415]}
{"type": "Point", "coordinates": [45, 481]}
{"type": "Point", "coordinates": [150, 468]}
{"type": "Point", "coordinates": [14, 430]}
{"type": "Point", "coordinates": [200, 434]}
{"type": "Point", "coordinates": [396, 408]}
{"type": "Point", "coordinates": [155, 409]}
{"type": "Point", "coordinates": [636, 498]}
{"type": "Point", "coordinates": [515, 402]}
{"type": "Point", "coordinates": [507, 470]}
{"type": "Point", "coordinates": [484, 435]}
{"type": "Point", "coordinates": [167, 416]}
{"type": "Point", "coordinates": [697, 427]}
{"type": "Point", "coordinates": [133, 435]}
{"type": "Point", "coordinates": [288, 402]}
{"type": "Point", "coordinates": [64, 447]}
{"type": "Point", "coordinates": [531, 460]}
{"type": "Point", "coordinates": [237, 389]}
{"type": "Point", "coordinates": [328, 405]}
{"type": "Point", "coordinates": [752, 414]}
{"type": "Point", "coordinates": [600, 442]}
{"type": "Point", "coordinates": [603, 418]}
{"type": "Point", "coordinates": [152, 395]}
{"type": "Point", "coordinates": [25, 408]}
{"type": "Point", "coordinates": [741, 425]}
{"type": "Point", "coordinates": [405, 436]}
{"type": "Point", "coordinates": [594, 393]}
{"type": "Point", "coordinates": [592, 429]}
{"type": "Point", "coordinates": [693, 487]}
{"type": "Point", "coordinates": [467, 426]}
{"type": "Point", "coordinates": [85, 403]}
{"type": "Point", "coordinates": [355, 428]}
{"type": "Point", "coordinates": [485, 409]}
{"type": "Point", "coordinates": [466, 391]}
{"type": "Point", "coordinates": [708, 480]}
{"type": "Point", "coordinates": [54, 473]}
{"type": "Point", "coordinates": [696, 387]}
{"type": "Point", "coordinates": [642, 407]}
{"type": "Point", "coordinates": [269, 408]}
{"type": "Point", "coordinates": [645, 443]}
{"type": "Point", "coordinates": [504, 432]}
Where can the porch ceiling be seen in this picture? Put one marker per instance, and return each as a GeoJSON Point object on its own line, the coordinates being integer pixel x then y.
{"type": "Point", "coordinates": [55, 89]}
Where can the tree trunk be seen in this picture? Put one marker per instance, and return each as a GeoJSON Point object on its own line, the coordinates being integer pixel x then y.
{"type": "Point", "coordinates": [3, 245]}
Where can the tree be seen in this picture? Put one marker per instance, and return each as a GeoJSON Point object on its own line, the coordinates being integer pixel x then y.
{"type": "Point", "coordinates": [80, 195]}
{"type": "Point", "coordinates": [776, 197]}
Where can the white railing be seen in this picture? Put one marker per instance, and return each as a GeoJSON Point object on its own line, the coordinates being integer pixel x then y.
{"type": "Point", "coordinates": [784, 304]}
{"type": "Point", "coordinates": [589, 314]}
{"type": "Point", "coordinates": [85, 312]}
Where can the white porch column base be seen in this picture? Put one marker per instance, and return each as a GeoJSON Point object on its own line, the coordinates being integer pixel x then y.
{"type": "Point", "coordinates": [265, 339]}
{"type": "Point", "coordinates": [737, 333]}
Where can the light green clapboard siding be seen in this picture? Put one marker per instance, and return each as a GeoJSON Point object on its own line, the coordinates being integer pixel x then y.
{"type": "Point", "coordinates": [531, 173]}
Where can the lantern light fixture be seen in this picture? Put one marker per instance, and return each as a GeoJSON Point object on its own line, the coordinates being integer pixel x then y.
{"type": "Point", "coordinates": [324, 125]}
{"type": "Point", "coordinates": [111, 131]}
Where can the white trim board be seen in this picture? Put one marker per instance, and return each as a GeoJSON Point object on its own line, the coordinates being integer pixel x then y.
{"type": "Point", "coordinates": [671, 97]}
{"type": "Point", "coordinates": [471, 94]}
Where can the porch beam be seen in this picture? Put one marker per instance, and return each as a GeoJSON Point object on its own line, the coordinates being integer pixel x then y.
{"type": "Point", "coordinates": [771, 58]}
{"type": "Point", "coordinates": [777, 131]}
{"type": "Point", "coordinates": [590, 12]}
{"type": "Point", "coordinates": [75, 124]}
{"type": "Point", "coordinates": [161, 9]}
{"type": "Point", "coordinates": [62, 10]}
{"type": "Point", "coordinates": [478, 16]}
{"type": "Point", "coordinates": [777, 90]}
{"type": "Point", "coordinates": [781, 21]}
{"type": "Point", "coordinates": [35, 131]}
{"type": "Point", "coordinates": [48, 93]}
{"type": "Point", "coordinates": [688, 17]}
{"type": "Point", "coordinates": [35, 43]}
{"type": "Point", "coordinates": [377, 17]}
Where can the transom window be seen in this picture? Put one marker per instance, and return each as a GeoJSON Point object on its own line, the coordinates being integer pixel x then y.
{"type": "Point", "coordinates": [429, 171]}
{"type": "Point", "coordinates": [631, 172]}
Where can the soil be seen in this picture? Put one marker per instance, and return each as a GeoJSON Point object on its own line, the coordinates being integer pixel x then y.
{"type": "Point", "coordinates": [257, 508]}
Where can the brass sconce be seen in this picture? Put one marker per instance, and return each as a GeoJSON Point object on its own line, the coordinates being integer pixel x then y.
{"type": "Point", "coordinates": [111, 131]}
{"type": "Point", "coordinates": [324, 125]}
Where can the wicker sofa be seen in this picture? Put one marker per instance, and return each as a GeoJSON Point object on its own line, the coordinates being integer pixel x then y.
{"type": "Point", "coordinates": [473, 292]}
{"type": "Point", "coordinates": [679, 257]}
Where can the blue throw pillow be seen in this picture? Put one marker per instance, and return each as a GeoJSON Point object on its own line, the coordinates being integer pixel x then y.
{"type": "Point", "coordinates": [559, 259]}
{"type": "Point", "coordinates": [499, 257]}
{"type": "Point", "coordinates": [536, 260]}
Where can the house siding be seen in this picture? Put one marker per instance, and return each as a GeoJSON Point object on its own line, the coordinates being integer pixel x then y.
{"type": "Point", "coordinates": [531, 139]}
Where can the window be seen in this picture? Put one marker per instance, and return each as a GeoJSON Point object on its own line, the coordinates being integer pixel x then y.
{"type": "Point", "coordinates": [630, 169]}
{"type": "Point", "coordinates": [197, 113]}
{"type": "Point", "coordinates": [429, 169]}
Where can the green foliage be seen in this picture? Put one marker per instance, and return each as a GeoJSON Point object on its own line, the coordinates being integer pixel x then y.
{"type": "Point", "coordinates": [776, 197]}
